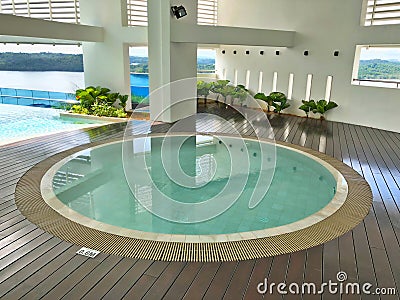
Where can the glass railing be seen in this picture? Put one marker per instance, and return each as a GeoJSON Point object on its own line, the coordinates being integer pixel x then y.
{"type": "Point", "coordinates": [36, 98]}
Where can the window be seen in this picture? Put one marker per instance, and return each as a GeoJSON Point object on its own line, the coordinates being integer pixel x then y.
{"type": "Point", "coordinates": [381, 12]}
{"type": "Point", "coordinates": [207, 12]}
{"type": "Point", "coordinates": [377, 65]}
{"type": "Point", "coordinates": [206, 61]}
{"type": "Point", "coordinates": [54, 10]}
{"type": "Point", "coordinates": [137, 12]}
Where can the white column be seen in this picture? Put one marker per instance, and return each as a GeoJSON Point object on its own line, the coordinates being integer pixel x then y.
{"type": "Point", "coordinates": [170, 62]}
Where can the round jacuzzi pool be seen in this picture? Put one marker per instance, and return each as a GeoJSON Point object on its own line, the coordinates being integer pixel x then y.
{"type": "Point", "coordinates": [194, 188]}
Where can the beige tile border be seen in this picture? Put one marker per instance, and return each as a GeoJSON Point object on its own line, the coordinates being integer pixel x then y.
{"type": "Point", "coordinates": [331, 222]}
{"type": "Point", "coordinates": [94, 118]}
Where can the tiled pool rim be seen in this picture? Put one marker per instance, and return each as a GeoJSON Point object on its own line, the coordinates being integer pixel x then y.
{"type": "Point", "coordinates": [339, 216]}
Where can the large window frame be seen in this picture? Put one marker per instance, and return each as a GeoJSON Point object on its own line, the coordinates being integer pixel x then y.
{"type": "Point", "coordinates": [374, 82]}
{"type": "Point", "coordinates": [66, 11]}
{"type": "Point", "coordinates": [380, 12]}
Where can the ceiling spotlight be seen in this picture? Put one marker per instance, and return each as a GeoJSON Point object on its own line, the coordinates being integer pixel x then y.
{"type": "Point", "coordinates": [178, 11]}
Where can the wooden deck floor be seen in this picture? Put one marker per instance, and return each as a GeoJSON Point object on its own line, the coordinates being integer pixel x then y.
{"type": "Point", "coordinates": [37, 265]}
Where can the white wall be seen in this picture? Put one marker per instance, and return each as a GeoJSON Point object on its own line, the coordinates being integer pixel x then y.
{"type": "Point", "coordinates": [321, 26]}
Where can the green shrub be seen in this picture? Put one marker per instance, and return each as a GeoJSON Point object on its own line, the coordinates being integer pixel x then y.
{"type": "Point", "coordinates": [321, 107]}
{"type": "Point", "coordinates": [99, 101]}
{"type": "Point", "coordinates": [104, 110]}
{"type": "Point", "coordinates": [78, 109]}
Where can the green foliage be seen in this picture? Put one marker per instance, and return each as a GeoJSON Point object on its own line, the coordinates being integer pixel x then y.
{"type": "Point", "coordinates": [277, 100]}
{"type": "Point", "coordinates": [78, 109]}
{"type": "Point", "coordinates": [263, 97]}
{"type": "Point", "coordinates": [321, 107]}
{"type": "Point", "coordinates": [228, 90]}
{"type": "Point", "coordinates": [218, 87]}
{"type": "Point", "coordinates": [99, 101]}
{"type": "Point", "coordinates": [41, 62]}
{"type": "Point", "coordinates": [104, 110]}
{"type": "Point", "coordinates": [308, 106]}
{"type": "Point", "coordinates": [122, 100]}
{"type": "Point", "coordinates": [139, 68]}
{"type": "Point", "coordinates": [141, 64]}
{"type": "Point", "coordinates": [379, 69]}
{"type": "Point", "coordinates": [241, 93]}
{"type": "Point", "coordinates": [222, 88]}
{"type": "Point", "coordinates": [204, 88]}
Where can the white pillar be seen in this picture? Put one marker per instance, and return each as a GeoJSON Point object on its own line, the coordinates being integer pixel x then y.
{"type": "Point", "coordinates": [106, 64]}
{"type": "Point", "coordinates": [169, 62]}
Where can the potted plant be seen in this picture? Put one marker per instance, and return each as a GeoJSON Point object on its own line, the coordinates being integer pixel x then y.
{"type": "Point", "coordinates": [226, 91]}
{"type": "Point", "coordinates": [321, 107]}
{"type": "Point", "coordinates": [240, 93]}
{"type": "Point", "coordinates": [308, 106]}
{"type": "Point", "coordinates": [218, 86]}
{"type": "Point", "coordinates": [204, 89]}
{"type": "Point", "coordinates": [266, 99]}
{"type": "Point", "coordinates": [279, 101]}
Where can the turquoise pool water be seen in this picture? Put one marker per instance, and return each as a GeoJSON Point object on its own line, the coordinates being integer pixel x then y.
{"type": "Point", "coordinates": [20, 122]}
{"type": "Point", "coordinates": [93, 183]}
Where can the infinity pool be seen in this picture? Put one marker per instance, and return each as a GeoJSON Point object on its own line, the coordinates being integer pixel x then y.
{"type": "Point", "coordinates": [199, 185]}
{"type": "Point", "coordinates": [20, 122]}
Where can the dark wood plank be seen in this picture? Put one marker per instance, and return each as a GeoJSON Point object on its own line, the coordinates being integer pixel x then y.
{"type": "Point", "coordinates": [107, 282]}
{"type": "Point", "coordinates": [221, 281]}
{"type": "Point", "coordinates": [182, 283]}
{"type": "Point", "coordinates": [164, 281]}
{"type": "Point", "coordinates": [22, 277]}
{"type": "Point", "coordinates": [260, 272]}
{"type": "Point", "coordinates": [240, 280]}
{"type": "Point", "coordinates": [129, 279]}
{"type": "Point", "coordinates": [106, 263]}
{"type": "Point", "coordinates": [202, 281]}
{"type": "Point", "coordinates": [295, 272]}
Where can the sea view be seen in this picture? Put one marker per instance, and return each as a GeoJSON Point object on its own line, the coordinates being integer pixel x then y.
{"type": "Point", "coordinates": [66, 82]}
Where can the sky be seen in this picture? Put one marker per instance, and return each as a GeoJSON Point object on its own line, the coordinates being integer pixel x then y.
{"type": "Point", "coordinates": [381, 53]}
{"type": "Point", "coordinates": [26, 48]}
